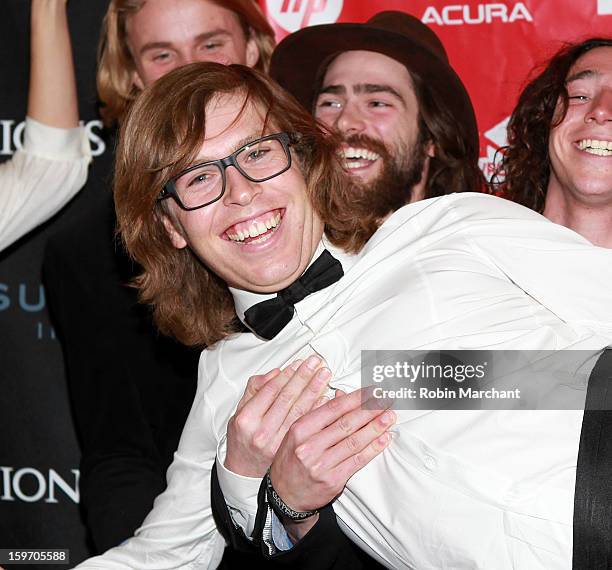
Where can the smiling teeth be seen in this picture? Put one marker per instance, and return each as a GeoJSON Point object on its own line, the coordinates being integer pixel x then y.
{"type": "Point", "coordinates": [597, 147]}
{"type": "Point", "coordinates": [256, 229]}
{"type": "Point", "coordinates": [353, 153]}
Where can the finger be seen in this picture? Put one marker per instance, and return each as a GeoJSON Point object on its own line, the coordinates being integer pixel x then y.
{"type": "Point", "coordinates": [322, 417]}
{"type": "Point", "coordinates": [355, 443]}
{"type": "Point", "coordinates": [339, 393]}
{"type": "Point", "coordinates": [291, 391]}
{"type": "Point", "coordinates": [321, 401]}
{"type": "Point", "coordinates": [307, 400]}
{"type": "Point", "coordinates": [346, 426]}
{"type": "Point", "coordinates": [254, 384]}
{"type": "Point", "coordinates": [340, 418]}
{"type": "Point", "coordinates": [354, 463]}
{"type": "Point", "coordinates": [267, 395]}
{"type": "Point", "coordinates": [252, 387]}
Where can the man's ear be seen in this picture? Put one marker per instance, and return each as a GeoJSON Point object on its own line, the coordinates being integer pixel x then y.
{"type": "Point", "coordinates": [252, 51]}
{"type": "Point", "coordinates": [430, 149]}
{"type": "Point", "coordinates": [174, 233]}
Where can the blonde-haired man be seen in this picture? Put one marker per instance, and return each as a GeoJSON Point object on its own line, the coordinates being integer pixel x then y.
{"type": "Point", "coordinates": [143, 40]}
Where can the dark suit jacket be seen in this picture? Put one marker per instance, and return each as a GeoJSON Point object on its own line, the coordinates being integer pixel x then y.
{"type": "Point", "coordinates": [130, 388]}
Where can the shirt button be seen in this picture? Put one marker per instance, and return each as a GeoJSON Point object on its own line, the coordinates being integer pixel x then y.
{"type": "Point", "coordinates": [430, 462]}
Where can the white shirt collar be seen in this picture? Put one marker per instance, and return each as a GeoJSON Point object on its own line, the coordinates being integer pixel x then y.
{"type": "Point", "coordinates": [244, 300]}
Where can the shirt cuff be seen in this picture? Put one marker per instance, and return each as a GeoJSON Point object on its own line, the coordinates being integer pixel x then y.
{"type": "Point", "coordinates": [280, 538]}
{"type": "Point", "coordinates": [240, 492]}
{"type": "Point", "coordinates": [54, 143]}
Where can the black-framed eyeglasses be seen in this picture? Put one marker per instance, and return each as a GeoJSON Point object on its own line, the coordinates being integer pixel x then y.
{"type": "Point", "coordinates": [259, 160]}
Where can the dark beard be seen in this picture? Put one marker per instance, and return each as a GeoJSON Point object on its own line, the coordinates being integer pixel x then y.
{"type": "Point", "coordinates": [393, 187]}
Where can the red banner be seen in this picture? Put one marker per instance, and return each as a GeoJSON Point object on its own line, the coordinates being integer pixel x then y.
{"type": "Point", "coordinates": [493, 46]}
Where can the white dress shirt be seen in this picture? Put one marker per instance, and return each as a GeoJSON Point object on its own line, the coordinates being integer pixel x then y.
{"type": "Point", "coordinates": [455, 489]}
{"type": "Point", "coordinates": [41, 178]}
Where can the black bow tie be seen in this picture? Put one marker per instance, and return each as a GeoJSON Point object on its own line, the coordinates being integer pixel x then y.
{"type": "Point", "coordinates": [270, 317]}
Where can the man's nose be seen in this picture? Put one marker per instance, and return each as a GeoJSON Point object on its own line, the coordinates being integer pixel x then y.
{"type": "Point", "coordinates": [350, 120]}
{"type": "Point", "coordinates": [239, 190]}
{"type": "Point", "coordinates": [600, 109]}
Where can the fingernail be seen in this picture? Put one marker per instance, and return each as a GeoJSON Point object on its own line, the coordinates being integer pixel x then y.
{"type": "Point", "coordinates": [384, 439]}
{"type": "Point", "coordinates": [322, 400]}
{"type": "Point", "coordinates": [387, 418]}
{"type": "Point", "coordinates": [323, 374]}
{"type": "Point", "coordinates": [295, 365]}
{"type": "Point", "coordinates": [312, 362]}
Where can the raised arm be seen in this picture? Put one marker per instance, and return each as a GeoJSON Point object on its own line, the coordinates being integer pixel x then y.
{"type": "Point", "coordinates": [52, 97]}
{"type": "Point", "coordinates": [52, 166]}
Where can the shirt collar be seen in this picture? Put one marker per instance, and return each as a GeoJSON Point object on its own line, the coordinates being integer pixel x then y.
{"type": "Point", "coordinates": [243, 300]}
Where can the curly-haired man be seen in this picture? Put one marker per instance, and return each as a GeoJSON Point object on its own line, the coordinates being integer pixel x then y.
{"type": "Point", "coordinates": [559, 157]}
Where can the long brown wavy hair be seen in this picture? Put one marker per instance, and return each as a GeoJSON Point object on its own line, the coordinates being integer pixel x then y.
{"type": "Point", "coordinates": [161, 135]}
{"type": "Point", "coordinates": [115, 64]}
{"type": "Point", "coordinates": [524, 171]}
{"type": "Point", "coordinates": [454, 168]}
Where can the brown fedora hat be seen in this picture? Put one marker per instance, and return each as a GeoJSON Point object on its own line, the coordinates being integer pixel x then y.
{"type": "Point", "coordinates": [299, 60]}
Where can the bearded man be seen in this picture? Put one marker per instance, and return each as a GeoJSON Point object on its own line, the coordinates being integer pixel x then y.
{"type": "Point", "coordinates": [386, 86]}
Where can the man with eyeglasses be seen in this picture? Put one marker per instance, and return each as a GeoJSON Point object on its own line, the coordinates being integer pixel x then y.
{"type": "Point", "coordinates": [229, 154]}
{"type": "Point", "coordinates": [204, 183]}
{"type": "Point", "coordinates": [406, 131]}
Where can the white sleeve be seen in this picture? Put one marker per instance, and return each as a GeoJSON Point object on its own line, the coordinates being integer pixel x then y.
{"type": "Point", "coordinates": [570, 279]}
{"type": "Point", "coordinates": [41, 178]}
{"type": "Point", "coordinates": [179, 533]}
{"type": "Point", "coordinates": [559, 268]}
{"type": "Point", "coordinates": [240, 492]}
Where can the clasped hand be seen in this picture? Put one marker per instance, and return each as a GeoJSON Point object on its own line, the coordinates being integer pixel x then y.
{"type": "Point", "coordinates": [312, 445]}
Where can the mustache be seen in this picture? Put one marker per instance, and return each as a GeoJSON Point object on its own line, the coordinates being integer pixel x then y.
{"type": "Point", "coordinates": [369, 143]}
{"type": "Point", "coordinates": [392, 188]}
